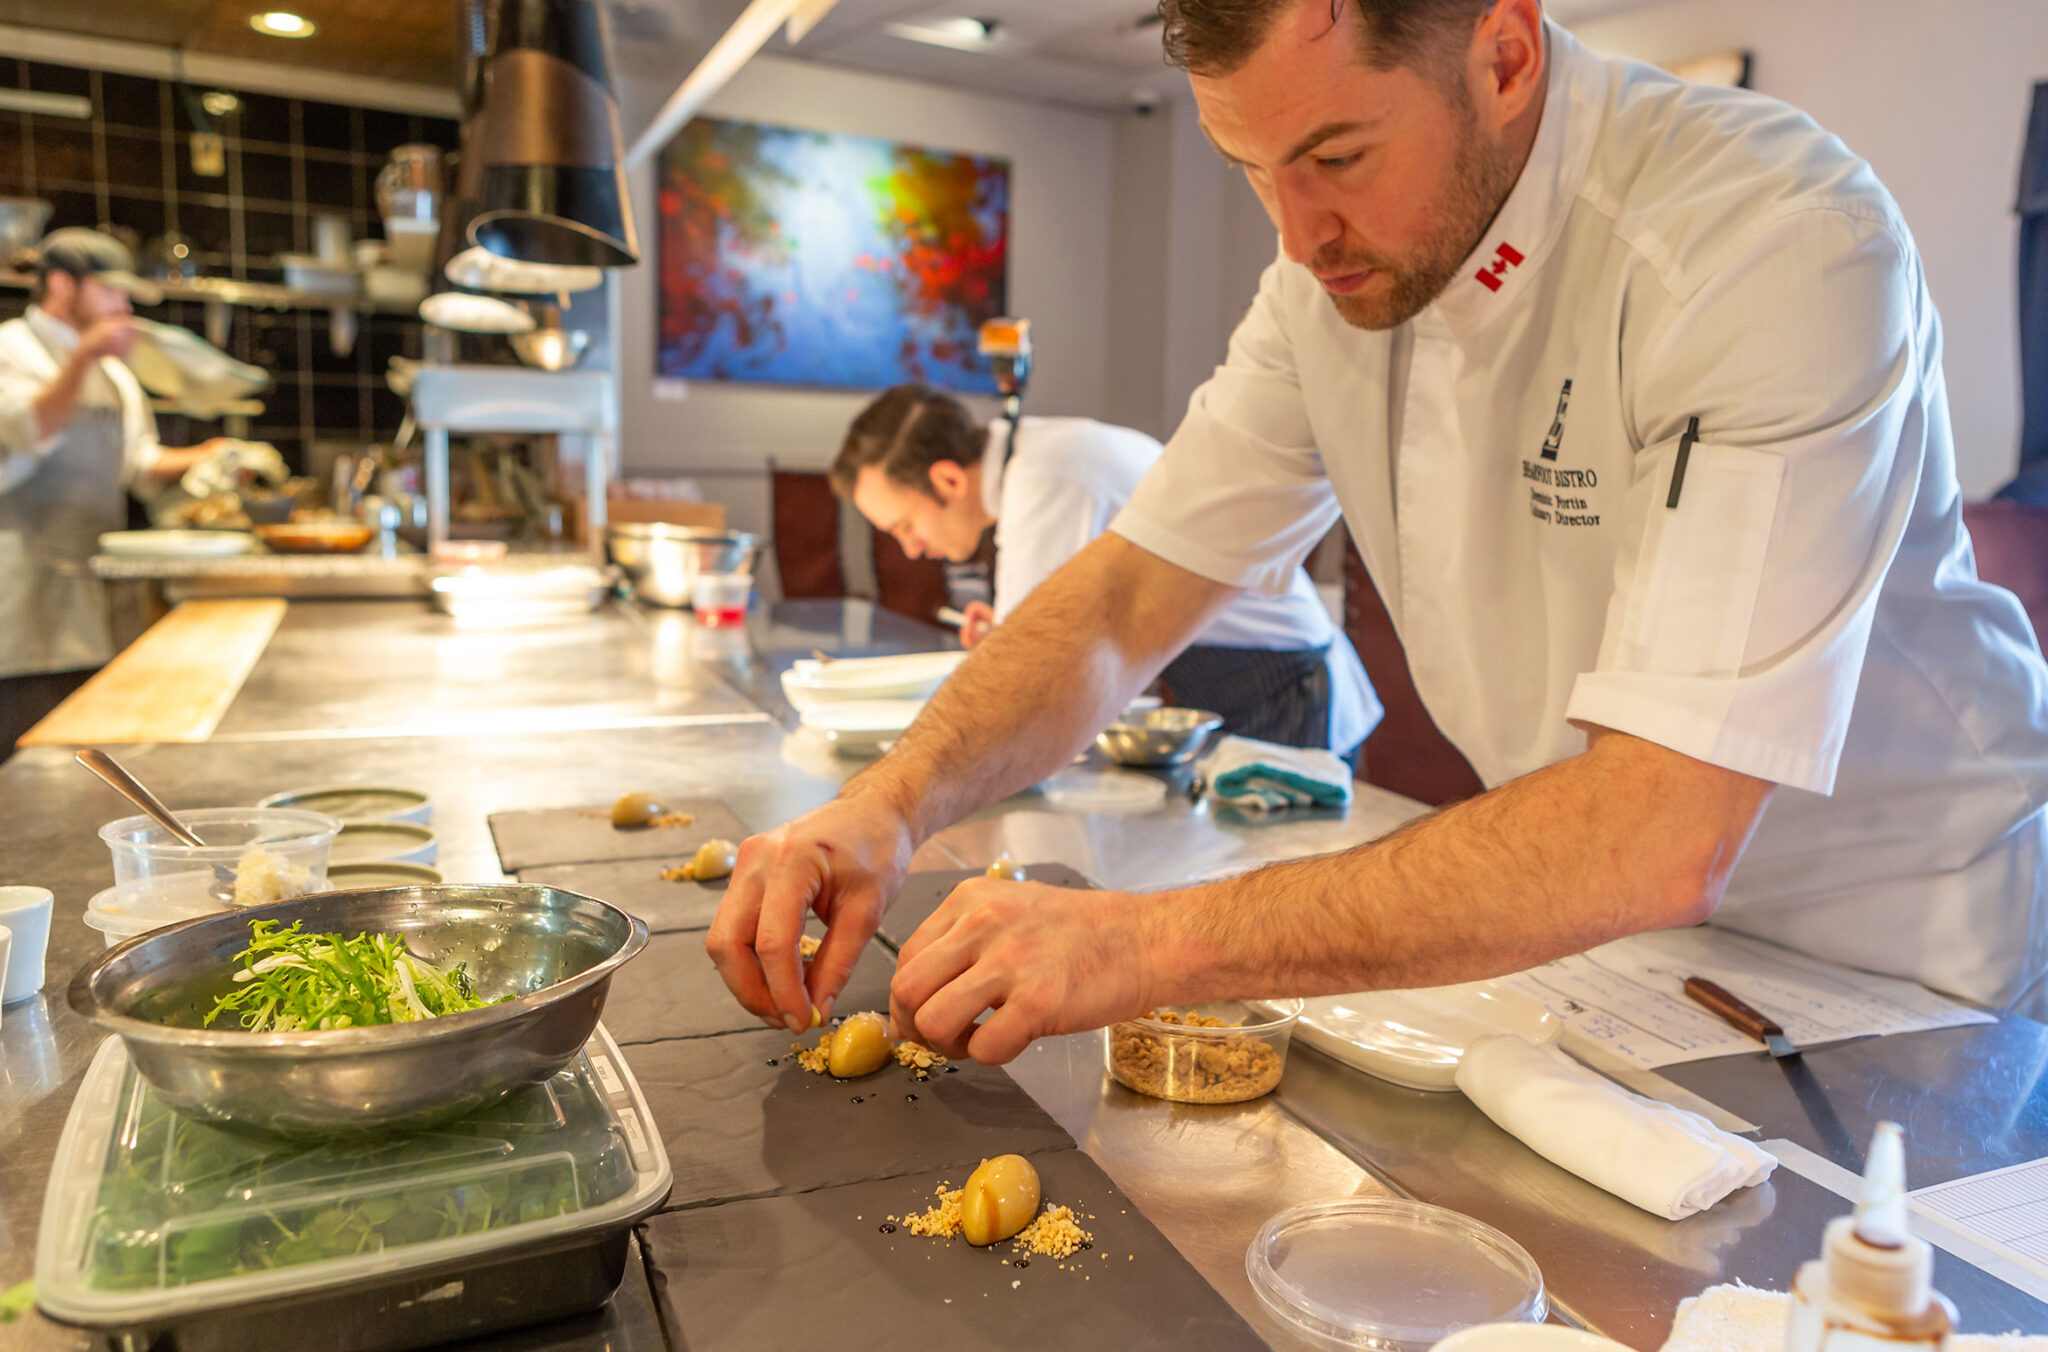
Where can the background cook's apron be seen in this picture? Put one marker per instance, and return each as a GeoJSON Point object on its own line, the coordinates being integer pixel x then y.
{"type": "Point", "coordinates": [53, 611]}
{"type": "Point", "coordinates": [1275, 696]}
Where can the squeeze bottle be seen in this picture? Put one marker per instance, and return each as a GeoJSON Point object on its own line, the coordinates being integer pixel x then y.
{"type": "Point", "coordinates": [1871, 1290]}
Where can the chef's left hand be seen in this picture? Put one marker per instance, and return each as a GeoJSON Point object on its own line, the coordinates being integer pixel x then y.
{"type": "Point", "coordinates": [1038, 960]}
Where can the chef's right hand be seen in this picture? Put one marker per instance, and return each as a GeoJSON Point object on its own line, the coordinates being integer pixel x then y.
{"type": "Point", "coordinates": [975, 623]}
{"type": "Point", "coordinates": [112, 336]}
{"type": "Point", "coordinates": [842, 862]}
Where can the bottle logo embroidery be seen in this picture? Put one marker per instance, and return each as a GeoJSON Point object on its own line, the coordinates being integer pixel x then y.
{"type": "Point", "coordinates": [1555, 438]}
{"type": "Point", "coordinates": [1505, 257]}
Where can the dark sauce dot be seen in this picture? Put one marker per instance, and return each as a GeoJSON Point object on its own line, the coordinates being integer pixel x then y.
{"type": "Point", "coordinates": [888, 1227]}
{"type": "Point", "coordinates": [951, 1069]}
{"type": "Point", "coordinates": [1021, 1262]}
{"type": "Point", "coordinates": [910, 1098]}
{"type": "Point", "coordinates": [856, 1098]}
{"type": "Point", "coordinates": [772, 1061]}
{"type": "Point", "coordinates": [1087, 1244]}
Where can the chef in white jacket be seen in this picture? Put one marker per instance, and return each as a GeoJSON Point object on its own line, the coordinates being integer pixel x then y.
{"type": "Point", "coordinates": [1631, 393]}
{"type": "Point", "coordinates": [75, 431]}
{"type": "Point", "coordinates": [917, 465]}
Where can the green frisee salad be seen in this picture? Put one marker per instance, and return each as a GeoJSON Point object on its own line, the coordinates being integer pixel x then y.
{"type": "Point", "coordinates": [291, 982]}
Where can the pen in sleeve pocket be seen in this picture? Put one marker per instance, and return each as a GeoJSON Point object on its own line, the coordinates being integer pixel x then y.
{"type": "Point", "coordinates": [1692, 434]}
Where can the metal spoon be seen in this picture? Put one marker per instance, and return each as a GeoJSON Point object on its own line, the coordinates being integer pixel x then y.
{"type": "Point", "coordinates": [125, 784]}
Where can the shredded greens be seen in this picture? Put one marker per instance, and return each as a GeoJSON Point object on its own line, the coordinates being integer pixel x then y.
{"type": "Point", "coordinates": [291, 982]}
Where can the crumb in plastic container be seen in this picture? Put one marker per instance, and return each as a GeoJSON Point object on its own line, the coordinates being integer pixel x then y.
{"type": "Point", "coordinates": [262, 877]}
{"type": "Point", "coordinates": [1191, 1070]}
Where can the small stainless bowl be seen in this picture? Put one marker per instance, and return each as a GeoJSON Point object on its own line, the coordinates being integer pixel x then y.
{"type": "Point", "coordinates": [554, 951]}
{"type": "Point", "coordinates": [1158, 737]}
{"type": "Point", "coordinates": [662, 561]}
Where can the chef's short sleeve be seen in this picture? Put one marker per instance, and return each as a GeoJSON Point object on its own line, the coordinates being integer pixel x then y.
{"type": "Point", "coordinates": [1240, 495]}
{"type": "Point", "coordinates": [1741, 615]}
{"type": "Point", "coordinates": [1051, 510]}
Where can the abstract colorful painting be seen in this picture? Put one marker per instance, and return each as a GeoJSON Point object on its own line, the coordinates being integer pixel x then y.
{"type": "Point", "coordinates": [809, 258]}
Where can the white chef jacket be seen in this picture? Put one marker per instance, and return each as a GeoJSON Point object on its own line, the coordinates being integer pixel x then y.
{"type": "Point", "coordinates": [1059, 492]}
{"type": "Point", "coordinates": [1809, 612]}
{"type": "Point", "coordinates": [32, 351]}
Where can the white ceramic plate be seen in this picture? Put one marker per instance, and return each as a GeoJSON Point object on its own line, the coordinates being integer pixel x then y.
{"type": "Point", "coordinates": [903, 676]}
{"type": "Point", "coordinates": [180, 544]}
{"type": "Point", "coordinates": [862, 726]}
{"type": "Point", "coordinates": [1415, 1038]}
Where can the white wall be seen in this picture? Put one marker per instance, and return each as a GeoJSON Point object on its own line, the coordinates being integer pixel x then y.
{"type": "Point", "coordinates": [1060, 230]}
{"type": "Point", "coordinates": [1935, 96]}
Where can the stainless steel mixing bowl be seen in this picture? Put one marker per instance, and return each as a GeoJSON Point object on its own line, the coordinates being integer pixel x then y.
{"type": "Point", "coordinates": [555, 951]}
{"type": "Point", "coordinates": [1156, 737]}
{"type": "Point", "coordinates": [662, 561]}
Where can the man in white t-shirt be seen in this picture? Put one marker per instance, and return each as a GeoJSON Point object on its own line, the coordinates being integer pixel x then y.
{"type": "Point", "coordinates": [918, 466]}
{"type": "Point", "coordinates": [1631, 394]}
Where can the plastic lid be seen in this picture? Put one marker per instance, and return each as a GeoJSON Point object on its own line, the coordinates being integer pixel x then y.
{"type": "Point", "coordinates": [1096, 792]}
{"type": "Point", "coordinates": [365, 842]}
{"type": "Point", "coordinates": [152, 1213]}
{"type": "Point", "coordinates": [358, 802]}
{"type": "Point", "coordinates": [1390, 1274]}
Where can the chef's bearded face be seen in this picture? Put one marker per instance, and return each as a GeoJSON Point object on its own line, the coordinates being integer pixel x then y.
{"type": "Point", "coordinates": [1382, 154]}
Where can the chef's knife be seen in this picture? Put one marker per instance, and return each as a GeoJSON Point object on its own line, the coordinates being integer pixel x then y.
{"type": "Point", "coordinates": [1739, 1015]}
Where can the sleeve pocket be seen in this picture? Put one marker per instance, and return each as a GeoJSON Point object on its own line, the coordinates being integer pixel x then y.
{"type": "Point", "coordinates": [1701, 564]}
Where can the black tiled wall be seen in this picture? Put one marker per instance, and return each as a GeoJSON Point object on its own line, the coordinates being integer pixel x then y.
{"type": "Point", "coordinates": [286, 159]}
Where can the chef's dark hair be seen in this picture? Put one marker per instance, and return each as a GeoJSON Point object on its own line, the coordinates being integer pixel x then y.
{"type": "Point", "coordinates": [904, 433]}
{"type": "Point", "coordinates": [1215, 37]}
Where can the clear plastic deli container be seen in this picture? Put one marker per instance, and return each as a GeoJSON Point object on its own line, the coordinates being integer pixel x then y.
{"type": "Point", "coordinates": [1226, 1051]}
{"type": "Point", "coordinates": [143, 904]}
{"type": "Point", "coordinates": [1388, 1274]}
{"type": "Point", "coordinates": [161, 1231]}
{"type": "Point", "coordinates": [282, 850]}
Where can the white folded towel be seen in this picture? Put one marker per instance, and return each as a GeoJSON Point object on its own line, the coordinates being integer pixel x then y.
{"type": "Point", "coordinates": [1245, 772]}
{"type": "Point", "coordinates": [1667, 1161]}
{"type": "Point", "coordinates": [1741, 1318]}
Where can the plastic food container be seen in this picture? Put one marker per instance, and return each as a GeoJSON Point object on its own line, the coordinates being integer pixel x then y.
{"type": "Point", "coordinates": [379, 842]}
{"type": "Point", "coordinates": [1388, 1274]}
{"type": "Point", "coordinates": [720, 599]}
{"type": "Point", "coordinates": [1222, 1052]}
{"type": "Point", "coordinates": [381, 873]}
{"type": "Point", "coordinates": [159, 1231]}
{"type": "Point", "coordinates": [296, 840]}
{"type": "Point", "coordinates": [143, 904]}
{"type": "Point", "coordinates": [1111, 791]}
{"type": "Point", "coordinates": [358, 802]}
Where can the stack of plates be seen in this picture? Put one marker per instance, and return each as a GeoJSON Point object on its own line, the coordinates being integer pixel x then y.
{"type": "Point", "coordinates": [862, 727]}
{"type": "Point", "coordinates": [908, 677]}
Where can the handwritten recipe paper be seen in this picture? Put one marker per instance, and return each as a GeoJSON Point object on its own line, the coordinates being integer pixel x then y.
{"type": "Point", "coordinates": [1627, 998]}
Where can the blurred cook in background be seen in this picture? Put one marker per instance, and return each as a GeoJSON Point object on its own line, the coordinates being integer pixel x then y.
{"type": "Point", "coordinates": [917, 465]}
{"type": "Point", "coordinates": [76, 431]}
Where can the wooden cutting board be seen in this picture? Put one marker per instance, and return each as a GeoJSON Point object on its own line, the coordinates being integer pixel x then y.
{"type": "Point", "coordinates": [171, 685]}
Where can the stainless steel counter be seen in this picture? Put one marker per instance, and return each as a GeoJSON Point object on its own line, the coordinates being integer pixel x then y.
{"type": "Point", "coordinates": [486, 720]}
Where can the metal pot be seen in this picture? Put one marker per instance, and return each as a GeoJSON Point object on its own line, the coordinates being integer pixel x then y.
{"type": "Point", "coordinates": [662, 561]}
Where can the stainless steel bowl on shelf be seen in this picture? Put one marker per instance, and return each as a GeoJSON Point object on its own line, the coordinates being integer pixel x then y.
{"type": "Point", "coordinates": [553, 951]}
{"type": "Point", "coordinates": [1158, 737]}
{"type": "Point", "coordinates": [662, 561]}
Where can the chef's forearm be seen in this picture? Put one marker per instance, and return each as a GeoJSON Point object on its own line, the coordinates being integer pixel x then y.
{"type": "Point", "coordinates": [1040, 685]}
{"type": "Point", "coordinates": [1625, 838]}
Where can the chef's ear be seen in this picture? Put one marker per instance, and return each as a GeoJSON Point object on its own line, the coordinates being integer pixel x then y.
{"type": "Point", "coordinates": [949, 482]}
{"type": "Point", "coordinates": [1509, 45]}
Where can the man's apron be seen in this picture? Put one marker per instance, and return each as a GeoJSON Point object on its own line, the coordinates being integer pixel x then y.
{"type": "Point", "coordinates": [53, 611]}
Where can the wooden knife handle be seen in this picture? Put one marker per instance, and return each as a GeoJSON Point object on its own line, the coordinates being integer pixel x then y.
{"type": "Point", "coordinates": [1740, 1015]}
